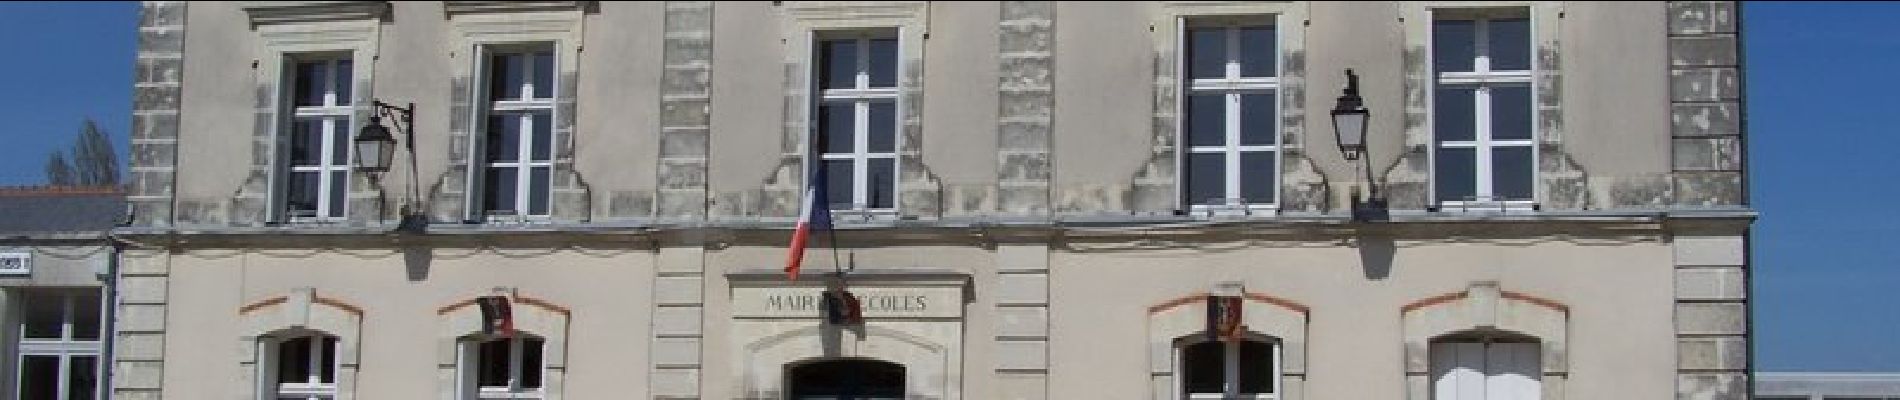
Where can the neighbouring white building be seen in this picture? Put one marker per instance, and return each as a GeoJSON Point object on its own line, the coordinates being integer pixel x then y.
{"type": "Point", "coordinates": [1034, 200]}
{"type": "Point", "coordinates": [56, 261]}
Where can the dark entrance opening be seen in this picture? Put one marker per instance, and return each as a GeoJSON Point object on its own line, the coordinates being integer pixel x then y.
{"type": "Point", "coordinates": [846, 379]}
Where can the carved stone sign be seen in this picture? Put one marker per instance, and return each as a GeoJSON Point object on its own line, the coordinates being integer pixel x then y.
{"type": "Point", "coordinates": [878, 302]}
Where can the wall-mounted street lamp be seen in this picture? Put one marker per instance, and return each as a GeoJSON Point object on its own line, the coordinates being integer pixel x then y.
{"type": "Point", "coordinates": [1350, 121]}
{"type": "Point", "coordinates": [376, 149]}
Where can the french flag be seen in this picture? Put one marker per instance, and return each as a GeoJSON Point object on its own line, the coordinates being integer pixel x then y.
{"type": "Point", "coordinates": [814, 215]}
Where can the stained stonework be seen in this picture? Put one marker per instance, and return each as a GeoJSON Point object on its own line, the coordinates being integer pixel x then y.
{"type": "Point", "coordinates": [685, 109]}
{"type": "Point", "coordinates": [1705, 92]}
{"type": "Point", "coordinates": [1026, 114]}
{"type": "Point", "coordinates": [155, 111]}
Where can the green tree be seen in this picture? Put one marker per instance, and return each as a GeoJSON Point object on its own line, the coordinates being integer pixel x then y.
{"type": "Point", "coordinates": [92, 161]}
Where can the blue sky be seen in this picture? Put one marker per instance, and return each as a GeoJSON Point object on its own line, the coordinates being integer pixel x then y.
{"type": "Point", "coordinates": [1823, 85]}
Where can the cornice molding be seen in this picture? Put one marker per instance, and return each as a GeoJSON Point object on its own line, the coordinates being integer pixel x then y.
{"type": "Point", "coordinates": [292, 12]}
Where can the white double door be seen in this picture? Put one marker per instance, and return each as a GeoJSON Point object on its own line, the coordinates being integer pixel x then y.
{"type": "Point", "coordinates": [1485, 371]}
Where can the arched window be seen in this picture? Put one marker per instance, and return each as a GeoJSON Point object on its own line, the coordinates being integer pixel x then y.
{"type": "Point", "coordinates": [1486, 367]}
{"type": "Point", "coordinates": [846, 379]}
{"type": "Point", "coordinates": [503, 367]}
{"type": "Point", "coordinates": [298, 365]}
{"type": "Point", "coordinates": [1246, 369]}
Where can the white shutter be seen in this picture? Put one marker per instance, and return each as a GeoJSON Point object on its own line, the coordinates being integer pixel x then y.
{"type": "Point", "coordinates": [1458, 371]}
{"type": "Point", "coordinates": [1512, 371]}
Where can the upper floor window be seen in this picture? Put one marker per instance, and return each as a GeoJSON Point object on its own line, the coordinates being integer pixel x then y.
{"type": "Point", "coordinates": [1230, 112]}
{"type": "Point", "coordinates": [318, 162]}
{"type": "Point", "coordinates": [856, 118]}
{"type": "Point", "coordinates": [1482, 130]}
{"type": "Point", "coordinates": [503, 368]}
{"type": "Point", "coordinates": [1246, 369]}
{"type": "Point", "coordinates": [59, 346]}
{"type": "Point", "coordinates": [1485, 370]}
{"type": "Point", "coordinates": [300, 366]}
{"type": "Point", "coordinates": [516, 143]}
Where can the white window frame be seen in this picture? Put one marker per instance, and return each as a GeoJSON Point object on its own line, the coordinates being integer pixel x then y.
{"type": "Point", "coordinates": [65, 348]}
{"type": "Point", "coordinates": [1482, 78]}
{"type": "Point", "coordinates": [337, 115]}
{"type": "Point", "coordinates": [471, 356]}
{"type": "Point", "coordinates": [313, 387]}
{"type": "Point", "coordinates": [1231, 359]}
{"type": "Point", "coordinates": [861, 95]}
{"type": "Point", "coordinates": [1232, 86]}
{"type": "Point", "coordinates": [524, 108]}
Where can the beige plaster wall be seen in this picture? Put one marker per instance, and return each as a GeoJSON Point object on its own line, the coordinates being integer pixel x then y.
{"type": "Point", "coordinates": [618, 146]}
{"type": "Point", "coordinates": [604, 288]}
{"type": "Point", "coordinates": [1104, 67]}
{"type": "Point", "coordinates": [1616, 112]}
{"type": "Point", "coordinates": [960, 97]}
{"type": "Point", "coordinates": [747, 101]}
{"type": "Point", "coordinates": [1621, 337]}
{"type": "Point", "coordinates": [214, 135]}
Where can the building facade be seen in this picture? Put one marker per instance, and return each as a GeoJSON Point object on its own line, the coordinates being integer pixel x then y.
{"type": "Point", "coordinates": [56, 261]}
{"type": "Point", "coordinates": [1030, 200]}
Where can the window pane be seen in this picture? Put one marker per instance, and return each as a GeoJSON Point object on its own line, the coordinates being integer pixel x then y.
{"type": "Point", "coordinates": [1510, 44]}
{"type": "Point", "coordinates": [82, 378]}
{"type": "Point", "coordinates": [44, 316]}
{"type": "Point", "coordinates": [544, 75]}
{"type": "Point", "coordinates": [501, 184]}
{"type": "Point", "coordinates": [1453, 115]}
{"type": "Point", "coordinates": [293, 360]}
{"type": "Point", "coordinates": [1257, 119]}
{"type": "Point", "coordinates": [883, 177]}
{"type": "Point", "coordinates": [1206, 122]}
{"type": "Point", "coordinates": [340, 142]}
{"type": "Point", "coordinates": [883, 127]}
{"type": "Point", "coordinates": [543, 141]}
{"type": "Point", "coordinates": [835, 127]}
{"type": "Point", "coordinates": [339, 185]}
{"type": "Point", "coordinates": [1454, 174]}
{"type": "Point", "coordinates": [505, 76]}
{"type": "Point", "coordinates": [1257, 178]}
{"type": "Point", "coordinates": [300, 194]}
{"type": "Point", "coordinates": [1257, 51]}
{"type": "Point", "coordinates": [1207, 178]}
{"type": "Point", "coordinates": [538, 184]}
{"type": "Point", "coordinates": [491, 364]}
{"type": "Point", "coordinates": [504, 138]}
{"type": "Point", "coordinates": [306, 142]}
{"type": "Point", "coordinates": [1203, 368]}
{"type": "Point", "coordinates": [1256, 368]}
{"type": "Point", "coordinates": [1511, 171]}
{"type": "Point", "coordinates": [838, 184]}
{"type": "Point", "coordinates": [531, 364]}
{"type": "Point", "coordinates": [1453, 45]}
{"type": "Point", "coordinates": [39, 377]}
{"type": "Point", "coordinates": [883, 63]}
{"type": "Point", "coordinates": [344, 81]}
{"type": "Point", "coordinates": [1207, 52]}
{"type": "Point", "coordinates": [838, 68]}
{"type": "Point", "coordinates": [86, 316]}
{"type": "Point", "coordinates": [328, 361]}
{"type": "Point", "coordinates": [309, 81]}
{"type": "Point", "coordinates": [1510, 112]}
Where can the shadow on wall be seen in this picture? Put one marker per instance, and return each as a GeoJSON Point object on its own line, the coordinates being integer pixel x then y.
{"type": "Point", "coordinates": [1375, 255]}
{"type": "Point", "coordinates": [415, 261]}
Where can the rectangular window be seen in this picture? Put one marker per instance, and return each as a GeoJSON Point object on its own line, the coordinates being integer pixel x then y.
{"type": "Point", "coordinates": [58, 350]}
{"type": "Point", "coordinates": [305, 368]}
{"type": "Point", "coordinates": [1482, 129]}
{"type": "Point", "coordinates": [855, 119]}
{"type": "Point", "coordinates": [504, 368]}
{"type": "Point", "coordinates": [1229, 370]}
{"type": "Point", "coordinates": [317, 155]}
{"type": "Point", "coordinates": [1230, 113]}
{"type": "Point", "coordinates": [1485, 371]}
{"type": "Point", "coordinates": [517, 135]}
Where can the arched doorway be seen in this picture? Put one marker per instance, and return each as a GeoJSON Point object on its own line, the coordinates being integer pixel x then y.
{"type": "Point", "coordinates": [845, 379]}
